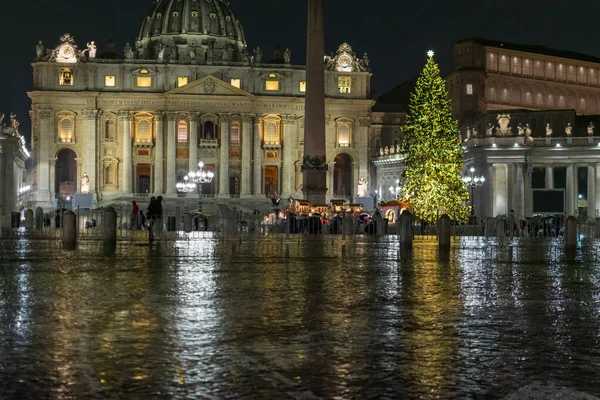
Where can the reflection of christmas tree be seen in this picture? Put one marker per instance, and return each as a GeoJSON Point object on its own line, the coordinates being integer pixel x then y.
{"type": "Point", "coordinates": [434, 156]}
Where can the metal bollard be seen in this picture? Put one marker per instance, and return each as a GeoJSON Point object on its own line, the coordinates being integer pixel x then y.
{"type": "Point", "coordinates": [597, 230]}
{"type": "Point", "coordinates": [444, 234]}
{"type": "Point", "coordinates": [39, 218]}
{"type": "Point", "coordinates": [489, 227]}
{"type": "Point", "coordinates": [29, 219]}
{"type": "Point", "coordinates": [571, 233]}
{"type": "Point", "coordinates": [406, 230]}
{"type": "Point", "coordinates": [69, 230]}
{"type": "Point", "coordinates": [109, 227]}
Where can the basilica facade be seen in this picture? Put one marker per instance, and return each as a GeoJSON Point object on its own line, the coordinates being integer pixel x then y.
{"type": "Point", "coordinates": [188, 90]}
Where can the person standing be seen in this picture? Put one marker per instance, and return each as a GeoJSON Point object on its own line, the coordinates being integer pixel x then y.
{"type": "Point", "coordinates": [151, 213]}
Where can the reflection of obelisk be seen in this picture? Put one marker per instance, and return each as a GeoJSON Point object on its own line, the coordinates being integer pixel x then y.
{"type": "Point", "coordinates": [314, 165]}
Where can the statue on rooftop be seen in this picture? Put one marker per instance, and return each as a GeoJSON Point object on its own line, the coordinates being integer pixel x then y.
{"type": "Point", "coordinates": [92, 49]}
{"type": "Point", "coordinates": [520, 130]}
{"type": "Point", "coordinates": [568, 129]}
{"type": "Point", "coordinates": [192, 51]}
{"type": "Point", "coordinates": [128, 52]}
{"type": "Point", "coordinates": [590, 129]}
{"type": "Point", "coordinates": [141, 50]}
{"type": "Point", "coordinates": [490, 130]}
{"type": "Point", "coordinates": [365, 61]}
{"type": "Point", "coordinates": [548, 129]}
{"type": "Point", "coordinates": [85, 183]}
{"type": "Point", "coordinates": [258, 55]}
{"type": "Point", "coordinates": [226, 54]}
{"type": "Point", "coordinates": [287, 56]}
{"type": "Point", "coordinates": [362, 187]}
{"type": "Point", "coordinates": [39, 49]}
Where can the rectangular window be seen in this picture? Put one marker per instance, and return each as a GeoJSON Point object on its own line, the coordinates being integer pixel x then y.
{"type": "Point", "coordinates": [182, 81]}
{"type": "Point", "coordinates": [503, 65]}
{"type": "Point", "coordinates": [527, 67]}
{"type": "Point", "coordinates": [144, 81]}
{"type": "Point", "coordinates": [302, 87]}
{"type": "Point", "coordinates": [469, 88]}
{"type": "Point", "coordinates": [538, 69]}
{"type": "Point", "coordinates": [561, 72]}
{"type": "Point", "coordinates": [236, 82]}
{"type": "Point", "coordinates": [182, 153]}
{"type": "Point", "coordinates": [109, 81]}
{"type": "Point", "coordinates": [65, 77]}
{"type": "Point", "coordinates": [560, 177]}
{"type": "Point", "coordinates": [492, 62]}
{"type": "Point", "coordinates": [516, 66]}
{"type": "Point", "coordinates": [344, 84]}
{"type": "Point", "coordinates": [272, 86]}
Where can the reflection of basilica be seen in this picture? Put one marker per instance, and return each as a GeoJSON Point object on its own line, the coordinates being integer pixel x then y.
{"type": "Point", "coordinates": [189, 91]}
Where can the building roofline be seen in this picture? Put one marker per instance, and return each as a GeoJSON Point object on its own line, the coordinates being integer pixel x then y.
{"type": "Point", "coordinates": [529, 48]}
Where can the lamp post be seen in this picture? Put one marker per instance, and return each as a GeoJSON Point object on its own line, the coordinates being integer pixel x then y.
{"type": "Point", "coordinates": [198, 178]}
{"type": "Point", "coordinates": [473, 181]}
{"type": "Point", "coordinates": [396, 190]}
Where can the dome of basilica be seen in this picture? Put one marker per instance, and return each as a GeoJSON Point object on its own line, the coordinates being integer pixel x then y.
{"type": "Point", "coordinates": [206, 23]}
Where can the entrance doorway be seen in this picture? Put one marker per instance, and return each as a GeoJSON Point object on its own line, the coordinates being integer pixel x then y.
{"type": "Point", "coordinates": [65, 176]}
{"type": "Point", "coordinates": [143, 178]}
{"type": "Point", "coordinates": [342, 176]}
{"type": "Point", "coordinates": [271, 180]}
{"type": "Point", "coordinates": [234, 185]}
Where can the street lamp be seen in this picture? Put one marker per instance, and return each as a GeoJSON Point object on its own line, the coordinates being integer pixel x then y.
{"type": "Point", "coordinates": [198, 178]}
{"type": "Point", "coordinates": [473, 181]}
{"type": "Point", "coordinates": [396, 190]}
{"type": "Point", "coordinates": [186, 186]}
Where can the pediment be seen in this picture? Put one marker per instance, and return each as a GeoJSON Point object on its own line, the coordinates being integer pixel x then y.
{"type": "Point", "coordinates": [210, 86]}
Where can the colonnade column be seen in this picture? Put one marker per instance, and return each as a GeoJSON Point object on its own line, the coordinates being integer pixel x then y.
{"type": "Point", "coordinates": [289, 143]}
{"type": "Point", "coordinates": [126, 119]}
{"type": "Point", "coordinates": [246, 181]}
{"type": "Point", "coordinates": [224, 159]}
{"type": "Point", "coordinates": [193, 154]}
{"type": "Point", "coordinates": [591, 190]}
{"type": "Point", "coordinates": [90, 149]}
{"type": "Point", "coordinates": [159, 153]}
{"type": "Point", "coordinates": [361, 141]}
{"type": "Point", "coordinates": [549, 177]}
{"type": "Point", "coordinates": [519, 191]}
{"type": "Point", "coordinates": [171, 153]}
{"type": "Point", "coordinates": [45, 134]}
{"type": "Point", "coordinates": [570, 195]}
{"type": "Point", "coordinates": [258, 156]}
{"type": "Point", "coordinates": [488, 202]}
{"type": "Point", "coordinates": [3, 205]}
{"type": "Point", "coordinates": [528, 206]}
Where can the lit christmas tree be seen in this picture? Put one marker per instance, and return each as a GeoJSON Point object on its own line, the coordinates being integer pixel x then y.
{"type": "Point", "coordinates": [434, 155]}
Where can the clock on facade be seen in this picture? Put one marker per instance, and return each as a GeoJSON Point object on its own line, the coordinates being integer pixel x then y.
{"type": "Point", "coordinates": [345, 63]}
{"type": "Point", "coordinates": [66, 53]}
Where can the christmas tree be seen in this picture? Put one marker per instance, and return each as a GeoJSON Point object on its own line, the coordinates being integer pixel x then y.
{"type": "Point", "coordinates": [433, 151]}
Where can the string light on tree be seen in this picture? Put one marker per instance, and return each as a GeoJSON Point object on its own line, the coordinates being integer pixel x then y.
{"type": "Point", "coordinates": [434, 156]}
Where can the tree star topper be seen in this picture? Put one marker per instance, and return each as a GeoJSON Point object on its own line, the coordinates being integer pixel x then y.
{"type": "Point", "coordinates": [430, 53]}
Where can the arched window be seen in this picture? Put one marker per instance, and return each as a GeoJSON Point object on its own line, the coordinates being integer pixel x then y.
{"type": "Point", "coordinates": [271, 133]}
{"type": "Point", "coordinates": [143, 131]}
{"type": "Point", "coordinates": [182, 132]}
{"type": "Point", "coordinates": [343, 135]}
{"type": "Point", "coordinates": [208, 133]}
{"type": "Point", "coordinates": [235, 133]}
{"type": "Point", "coordinates": [66, 130]}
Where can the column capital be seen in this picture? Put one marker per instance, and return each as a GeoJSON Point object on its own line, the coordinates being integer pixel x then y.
{"type": "Point", "coordinates": [260, 118]}
{"type": "Point", "coordinates": [172, 115]}
{"type": "Point", "coordinates": [45, 113]}
{"type": "Point", "coordinates": [364, 121]}
{"type": "Point", "coordinates": [289, 119]}
{"type": "Point", "coordinates": [194, 115]}
{"type": "Point", "coordinates": [126, 115]}
{"type": "Point", "coordinates": [158, 115]}
{"type": "Point", "coordinates": [247, 117]}
{"type": "Point", "coordinates": [224, 117]}
{"type": "Point", "coordinates": [91, 114]}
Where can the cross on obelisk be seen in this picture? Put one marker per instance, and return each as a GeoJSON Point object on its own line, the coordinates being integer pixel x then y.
{"type": "Point", "coordinates": [314, 164]}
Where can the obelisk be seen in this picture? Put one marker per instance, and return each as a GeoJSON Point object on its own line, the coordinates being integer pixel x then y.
{"type": "Point", "coordinates": [314, 164]}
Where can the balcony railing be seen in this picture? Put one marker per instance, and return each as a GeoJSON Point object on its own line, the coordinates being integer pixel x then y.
{"type": "Point", "coordinates": [209, 143]}
{"type": "Point", "coordinates": [143, 142]}
{"type": "Point", "coordinates": [271, 145]}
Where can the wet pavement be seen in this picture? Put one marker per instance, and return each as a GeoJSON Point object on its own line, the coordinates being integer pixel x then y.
{"type": "Point", "coordinates": [267, 318]}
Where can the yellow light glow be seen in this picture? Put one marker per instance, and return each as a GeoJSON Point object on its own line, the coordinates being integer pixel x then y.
{"type": "Point", "coordinates": [272, 85]}
{"type": "Point", "coordinates": [182, 81]}
{"type": "Point", "coordinates": [144, 81]}
{"type": "Point", "coordinates": [109, 81]}
{"type": "Point", "coordinates": [236, 82]}
{"type": "Point", "coordinates": [302, 87]}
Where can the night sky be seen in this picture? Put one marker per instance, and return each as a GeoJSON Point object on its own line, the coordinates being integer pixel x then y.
{"type": "Point", "coordinates": [395, 33]}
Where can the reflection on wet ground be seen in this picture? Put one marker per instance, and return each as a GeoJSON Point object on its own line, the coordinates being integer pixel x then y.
{"type": "Point", "coordinates": [275, 319]}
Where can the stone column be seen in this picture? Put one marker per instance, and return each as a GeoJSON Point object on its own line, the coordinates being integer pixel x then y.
{"type": "Point", "coordinates": [549, 176]}
{"type": "Point", "coordinates": [90, 150]}
{"type": "Point", "coordinates": [46, 134]}
{"type": "Point", "coordinates": [171, 153]}
{"type": "Point", "coordinates": [3, 178]}
{"type": "Point", "coordinates": [159, 151]}
{"type": "Point", "coordinates": [570, 192]}
{"type": "Point", "coordinates": [224, 159]}
{"type": "Point", "coordinates": [289, 144]}
{"type": "Point", "coordinates": [315, 162]}
{"type": "Point", "coordinates": [126, 120]}
{"type": "Point", "coordinates": [528, 206]}
{"type": "Point", "coordinates": [360, 140]}
{"type": "Point", "coordinates": [519, 191]}
{"type": "Point", "coordinates": [591, 195]}
{"type": "Point", "coordinates": [193, 156]}
{"type": "Point", "coordinates": [52, 163]}
{"type": "Point", "coordinates": [246, 180]}
{"type": "Point", "coordinates": [258, 156]}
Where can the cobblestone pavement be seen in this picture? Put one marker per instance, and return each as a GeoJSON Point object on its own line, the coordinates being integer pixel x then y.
{"type": "Point", "coordinates": [299, 319]}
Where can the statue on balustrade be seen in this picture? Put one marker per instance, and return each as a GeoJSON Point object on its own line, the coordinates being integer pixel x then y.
{"type": "Point", "coordinates": [92, 49]}
{"type": "Point", "coordinates": [287, 56]}
{"type": "Point", "coordinates": [548, 129]}
{"type": "Point", "coordinates": [468, 134]}
{"type": "Point", "coordinates": [568, 129]}
{"type": "Point", "coordinates": [39, 49]}
{"type": "Point", "coordinates": [503, 123]}
{"type": "Point", "coordinates": [520, 130]}
{"type": "Point", "coordinates": [258, 55]}
{"type": "Point", "coordinates": [590, 129]}
{"type": "Point", "coordinates": [128, 52]}
{"type": "Point", "coordinates": [528, 134]}
{"type": "Point", "coordinates": [490, 130]}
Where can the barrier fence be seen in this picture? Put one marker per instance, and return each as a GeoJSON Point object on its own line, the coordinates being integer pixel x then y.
{"type": "Point", "coordinates": [178, 224]}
